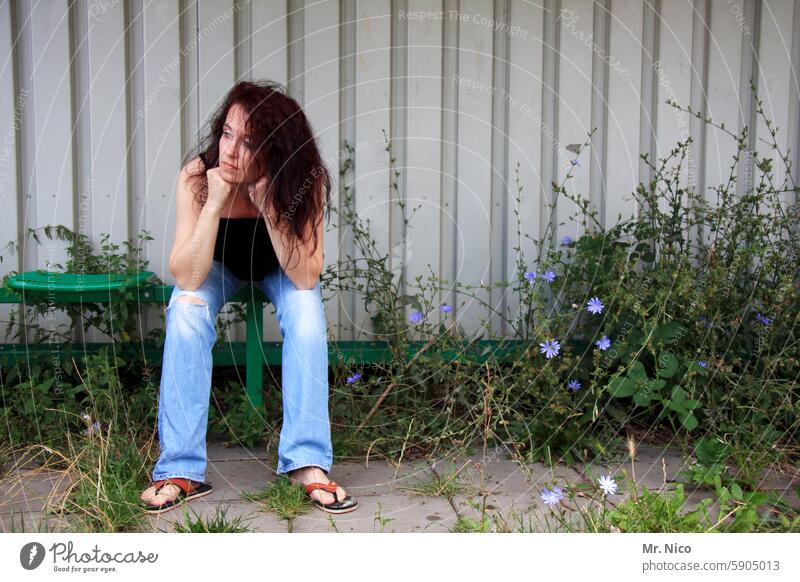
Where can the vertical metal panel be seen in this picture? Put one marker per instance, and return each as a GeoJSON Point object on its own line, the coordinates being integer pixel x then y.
{"type": "Point", "coordinates": [624, 86]}
{"type": "Point", "coordinates": [346, 303]}
{"type": "Point", "coordinates": [12, 102]}
{"type": "Point", "coordinates": [550, 105]}
{"type": "Point", "coordinates": [269, 41]}
{"type": "Point", "coordinates": [216, 43]}
{"type": "Point", "coordinates": [498, 205]}
{"type": "Point", "coordinates": [673, 70]}
{"type": "Point", "coordinates": [698, 94]}
{"type": "Point", "coordinates": [749, 24]}
{"type": "Point", "coordinates": [296, 60]}
{"type": "Point", "coordinates": [189, 63]}
{"type": "Point", "coordinates": [774, 69]}
{"type": "Point", "coordinates": [474, 169]}
{"type": "Point", "coordinates": [648, 110]}
{"type": "Point", "coordinates": [162, 124]}
{"type": "Point", "coordinates": [322, 84]}
{"type": "Point", "coordinates": [423, 186]}
{"type": "Point", "coordinates": [100, 139]}
{"type": "Point", "coordinates": [243, 35]}
{"type": "Point", "coordinates": [599, 96]}
{"type": "Point", "coordinates": [794, 102]}
{"type": "Point", "coordinates": [448, 240]}
{"type": "Point", "coordinates": [372, 86]}
{"type": "Point", "coordinates": [574, 108]}
{"type": "Point", "coordinates": [397, 184]}
{"type": "Point", "coordinates": [525, 130]}
{"type": "Point", "coordinates": [723, 91]}
{"type": "Point", "coordinates": [52, 164]}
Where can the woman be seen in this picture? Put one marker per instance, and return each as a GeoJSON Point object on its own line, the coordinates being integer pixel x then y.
{"type": "Point", "coordinates": [249, 208]}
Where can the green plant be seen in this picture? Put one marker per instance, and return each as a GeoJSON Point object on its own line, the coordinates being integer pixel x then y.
{"type": "Point", "coordinates": [283, 498]}
{"type": "Point", "coordinates": [217, 523]}
{"type": "Point", "coordinates": [235, 417]}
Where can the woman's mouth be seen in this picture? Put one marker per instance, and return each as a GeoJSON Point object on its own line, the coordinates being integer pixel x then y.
{"type": "Point", "coordinates": [227, 166]}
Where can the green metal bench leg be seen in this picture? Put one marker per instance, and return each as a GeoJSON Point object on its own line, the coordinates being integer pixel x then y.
{"type": "Point", "coordinates": [254, 358]}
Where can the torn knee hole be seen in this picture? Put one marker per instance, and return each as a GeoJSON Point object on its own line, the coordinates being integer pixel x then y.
{"type": "Point", "coordinates": [191, 299]}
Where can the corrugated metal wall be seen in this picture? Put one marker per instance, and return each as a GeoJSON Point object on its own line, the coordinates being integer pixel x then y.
{"type": "Point", "coordinates": [100, 99]}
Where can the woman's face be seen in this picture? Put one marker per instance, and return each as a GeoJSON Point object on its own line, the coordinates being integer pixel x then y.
{"type": "Point", "coordinates": [235, 147]}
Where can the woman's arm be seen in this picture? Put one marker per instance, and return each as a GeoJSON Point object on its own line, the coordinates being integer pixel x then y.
{"type": "Point", "coordinates": [195, 233]}
{"type": "Point", "coordinates": [304, 271]}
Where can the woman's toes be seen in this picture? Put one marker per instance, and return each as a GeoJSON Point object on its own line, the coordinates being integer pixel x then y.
{"type": "Point", "coordinates": [148, 494]}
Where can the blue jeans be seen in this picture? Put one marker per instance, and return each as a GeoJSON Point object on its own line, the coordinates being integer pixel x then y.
{"type": "Point", "coordinates": [185, 390]}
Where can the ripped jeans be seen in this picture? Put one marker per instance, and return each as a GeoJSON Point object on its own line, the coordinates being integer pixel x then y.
{"type": "Point", "coordinates": [185, 389]}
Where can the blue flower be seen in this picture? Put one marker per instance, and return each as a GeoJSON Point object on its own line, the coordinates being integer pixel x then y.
{"type": "Point", "coordinates": [567, 240]}
{"type": "Point", "coordinates": [762, 319]}
{"type": "Point", "coordinates": [574, 384]}
{"type": "Point", "coordinates": [353, 378]}
{"type": "Point", "coordinates": [595, 305]}
{"type": "Point", "coordinates": [530, 276]}
{"type": "Point", "coordinates": [550, 348]}
{"type": "Point", "coordinates": [552, 497]}
{"type": "Point", "coordinates": [94, 428]}
{"type": "Point", "coordinates": [445, 308]}
{"type": "Point", "coordinates": [549, 276]}
{"type": "Point", "coordinates": [702, 364]}
{"type": "Point", "coordinates": [415, 317]}
{"type": "Point", "coordinates": [704, 320]}
{"type": "Point", "coordinates": [574, 162]}
{"type": "Point", "coordinates": [603, 343]}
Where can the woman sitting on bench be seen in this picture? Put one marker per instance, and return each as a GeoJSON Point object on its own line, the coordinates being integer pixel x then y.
{"type": "Point", "coordinates": [249, 207]}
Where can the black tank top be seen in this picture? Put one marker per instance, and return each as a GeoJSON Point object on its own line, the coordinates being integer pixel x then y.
{"type": "Point", "coordinates": [243, 245]}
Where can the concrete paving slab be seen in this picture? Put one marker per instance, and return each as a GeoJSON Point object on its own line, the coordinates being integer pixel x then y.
{"type": "Point", "coordinates": [217, 451]}
{"type": "Point", "coordinates": [29, 490]}
{"type": "Point", "coordinates": [379, 477]}
{"type": "Point", "coordinates": [32, 521]}
{"type": "Point", "coordinates": [231, 478]}
{"type": "Point", "coordinates": [406, 514]}
{"type": "Point", "coordinates": [651, 465]}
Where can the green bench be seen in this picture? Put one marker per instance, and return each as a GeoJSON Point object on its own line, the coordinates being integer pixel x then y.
{"type": "Point", "coordinates": [61, 288]}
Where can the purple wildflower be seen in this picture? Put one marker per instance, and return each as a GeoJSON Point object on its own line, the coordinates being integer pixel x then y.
{"type": "Point", "coordinates": [574, 384]}
{"type": "Point", "coordinates": [353, 378]}
{"type": "Point", "coordinates": [603, 343]}
{"type": "Point", "coordinates": [594, 305]}
{"type": "Point", "coordinates": [550, 348]}
{"type": "Point", "coordinates": [445, 308]}
{"type": "Point", "coordinates": [552, 497]}
{"type": "Point", "coordinates": [415, 317]}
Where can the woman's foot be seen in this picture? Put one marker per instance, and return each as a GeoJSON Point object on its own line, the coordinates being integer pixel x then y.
{"type": "Point", "coordinates": [311, 474]}
{"type": "Point", "coordinates": [168, 492]}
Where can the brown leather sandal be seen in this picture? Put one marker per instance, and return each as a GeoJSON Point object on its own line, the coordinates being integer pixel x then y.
{"type": "Point", "coordinates": [187, 493]}
{"type": "Point", "coordinates": [344, 506]}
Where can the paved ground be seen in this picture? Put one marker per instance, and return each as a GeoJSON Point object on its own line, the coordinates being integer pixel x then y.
{"type": "Point", "coordinates": [389, 496]}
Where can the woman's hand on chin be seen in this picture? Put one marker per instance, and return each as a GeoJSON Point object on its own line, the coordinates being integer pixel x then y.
{"type": "Point", "coordinates": [219, 191]}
